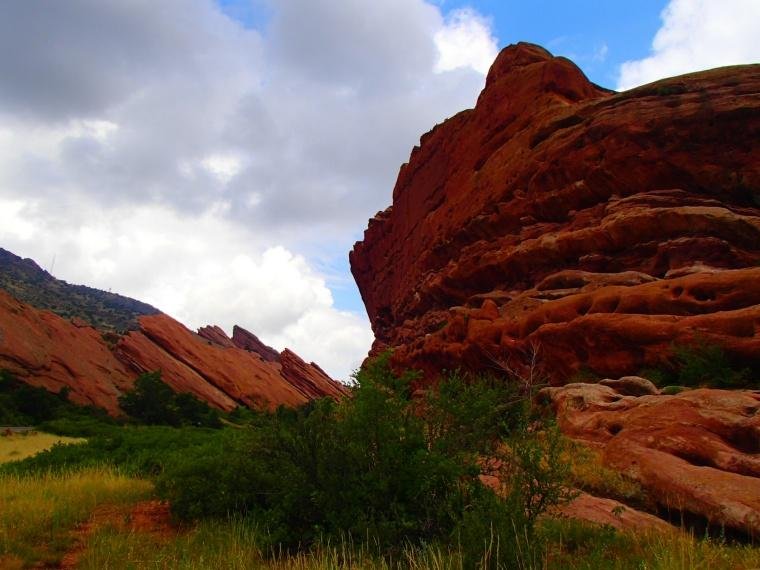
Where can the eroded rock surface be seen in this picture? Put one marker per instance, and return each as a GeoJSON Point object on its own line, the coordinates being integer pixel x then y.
{"type": "Point", "coordinates": [601, 226]}
{"type": "Point", "coordinates": [697, 452]}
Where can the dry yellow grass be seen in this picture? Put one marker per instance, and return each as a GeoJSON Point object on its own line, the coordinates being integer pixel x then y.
{"type": "Point", "coordinates": [19, 446]}
{"type": "Point", "coordinates": [38, 513]}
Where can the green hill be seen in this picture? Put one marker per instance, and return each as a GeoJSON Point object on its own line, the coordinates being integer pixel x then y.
{"type": "Point", "coordinates": [29, 283]}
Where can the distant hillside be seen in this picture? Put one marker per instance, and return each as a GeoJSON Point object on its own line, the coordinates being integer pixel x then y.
{"type": "Point", "coordinates": [29, 283]}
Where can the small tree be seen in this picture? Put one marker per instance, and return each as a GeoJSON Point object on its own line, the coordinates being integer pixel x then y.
{"type": "Point", "coordinates": [150, 401]}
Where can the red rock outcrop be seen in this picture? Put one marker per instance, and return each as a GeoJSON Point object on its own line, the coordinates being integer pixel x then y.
{"type": "Point", "coordinates": [249, 341]}
{"type": "Point", "coordinates": [608, 512]}
{"type": "Point", "coordinates": [601, 226]}
{"type": "Point", "coordinates": [53, 353]}
{"type": "Point", "coordinates": [308, 378]}
{"type": "Point", "coordinates": [46, 350]}
{"type": "Point", "coordinates": [697, 452]}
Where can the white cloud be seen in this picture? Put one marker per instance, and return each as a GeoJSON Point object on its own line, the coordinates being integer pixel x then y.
{"type": "Point", "coordinates": [465, 41]}
{"type": "Point", "coordinates": [199, 269]}
{"type": "Point", "coordinates": [696, 35]}
{"type": "Point", "coordinates": [185, 160]}
{"type": "Point", "coordinates": [224, 166]}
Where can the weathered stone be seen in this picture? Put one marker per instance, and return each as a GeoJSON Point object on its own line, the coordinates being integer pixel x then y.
{"type": "Point", "coordinates": [603, 226]}
{"type": "Point", "coordinates": [696, 452]}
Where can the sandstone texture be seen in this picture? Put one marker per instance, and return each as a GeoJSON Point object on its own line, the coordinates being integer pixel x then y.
{"type": "Point", "coordinates": [47, 350]}
{"type": "Point", "coordinates": [695, 453]}
{"type": "Point", "coordinates": [597, 227]}
{"type": "Point", "coordinates": [608, 512]}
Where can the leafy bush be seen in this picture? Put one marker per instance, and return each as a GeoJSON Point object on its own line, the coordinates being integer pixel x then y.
{"type": "Point", "coordinates": [22, 404]}
{"type": "Point", "coordinates": [380, 464]}
{"type": "Point", "coordinates": [702, 363]}
{"type": "Point", "coordinates": [153, 402]}
{"type": "Point", "coordinates": [699, 363]}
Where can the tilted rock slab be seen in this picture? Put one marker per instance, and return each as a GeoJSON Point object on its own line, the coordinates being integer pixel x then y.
{"type": "Point", "coordinates": [601, 227]}
{"type": "Point", "coordinates": [695, 452]}
{"type": "Point", "coordinates": [49, 351]}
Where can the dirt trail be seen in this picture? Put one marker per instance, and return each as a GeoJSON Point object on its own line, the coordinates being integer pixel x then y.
{"type": "Point", "coordinates": [149, 517]}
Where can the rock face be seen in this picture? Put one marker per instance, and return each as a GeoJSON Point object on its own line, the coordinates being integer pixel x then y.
{"type": "Point", "coordinates": [601, 511]}
{"type": "Point", "coordinates": [600, 226]}
{"type": "Point", "coordinates": [697, 452]}
{"type": "Point", "coordinates": [47, 350]}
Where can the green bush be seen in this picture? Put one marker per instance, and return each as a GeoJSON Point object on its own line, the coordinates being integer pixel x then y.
{"type": "Point", "coordinates": [705, 364]}
{"type": "Point", "coordinates": [153, 402]}
{"type": "Point", "coordinates": [379, 464]}
{"type": "Point", "coordinates": [700, 363]}
{"type": "Point", "coordinates": [137, 450]}
{"type": "Point", "coordinates": [22, 404]}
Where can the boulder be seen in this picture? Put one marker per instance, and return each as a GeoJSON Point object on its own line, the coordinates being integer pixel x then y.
{"type": "Point", "coordinates": [695, 453]}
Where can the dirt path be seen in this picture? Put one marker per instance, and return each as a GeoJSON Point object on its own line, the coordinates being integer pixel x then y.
{"type": "Point", "coordinates": [149, 517]}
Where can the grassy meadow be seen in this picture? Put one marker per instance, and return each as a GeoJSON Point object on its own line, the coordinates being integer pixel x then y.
{"type": "Point", "coordinates": [39, 513]}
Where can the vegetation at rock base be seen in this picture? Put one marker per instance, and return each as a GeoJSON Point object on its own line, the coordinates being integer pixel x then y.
{"type": "Point", "coordinates": [701, 363]}
{"type": "Point", "coordinates": [22, 404]}
{"type": "Point", "coordinates": [153, 402]}
{"type": "Point", "coordinates": [391, 477]}
{"type": "Point", "coordinates": [382, 464]}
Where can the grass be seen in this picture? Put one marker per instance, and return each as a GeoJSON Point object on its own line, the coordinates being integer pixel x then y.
{"type": "Point", "coordinates": [565, 545]}
{"type": "Point", "coordinates": [20, 446]}
{"type": "Point", "coordinates": [38, 513]}
{"type": "Point", "coordinates": [577, 546]}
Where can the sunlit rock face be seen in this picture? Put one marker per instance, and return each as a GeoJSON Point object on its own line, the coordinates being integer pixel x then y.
{"type": "Point", "coordinates": [598, 227]}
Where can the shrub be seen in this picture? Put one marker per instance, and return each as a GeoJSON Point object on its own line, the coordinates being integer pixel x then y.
{"type": "Point", "coordinates": [22, 404]}
{"type": "Point", "coordinates": [702, 363]}
{"type": "Point", "coordinates": [380, 464]}
{"type": "Point", "coordinates": [699, 363]}
{"type": "Point", "coordinates": [153, 402]}
{"type": "Point", "coordinates": [141, 450]}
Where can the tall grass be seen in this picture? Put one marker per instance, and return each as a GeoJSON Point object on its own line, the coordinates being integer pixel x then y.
{"type": "Point", "coordinates": [38, 513]}
{"type": "Point", "coordinates": [233, 545]}
{"type": "Point", "coordinates": [561, 545]}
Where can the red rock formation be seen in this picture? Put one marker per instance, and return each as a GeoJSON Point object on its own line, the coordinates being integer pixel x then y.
{"type": "Point", "coordinates": [241, 375]}
{"type": "Point", "coordinates": [696, 452]}
{"type": "Point", "coordinates": [608, 512]}
{"type": "Point", "coordinates": [599, 226]}
{"type": "Point", "coordinates": [309, 379]}
{"type": "Point", "coordinates": [46, 350]}
{"type": "Point", "coordinates": [249, 341]}
{"type": "Point", "coordinates": [216, 335]}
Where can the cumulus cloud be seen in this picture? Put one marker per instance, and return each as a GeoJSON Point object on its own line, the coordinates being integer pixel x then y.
{"type": "Point", "coordinates": [465, 41]}
{"type": "Point", "coordinates": [696, 35]}
{"type": "Point", "coordinates": [171, 153]}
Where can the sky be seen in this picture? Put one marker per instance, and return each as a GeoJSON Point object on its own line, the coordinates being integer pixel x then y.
{"type": "Point", "coordinates": [219, 158]}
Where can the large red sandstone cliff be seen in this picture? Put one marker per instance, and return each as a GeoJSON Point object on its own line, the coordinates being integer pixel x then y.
{"type": "Point", "coordinates": [600, 226]}
{"type": "Point", "coordinates": [47, 350]}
